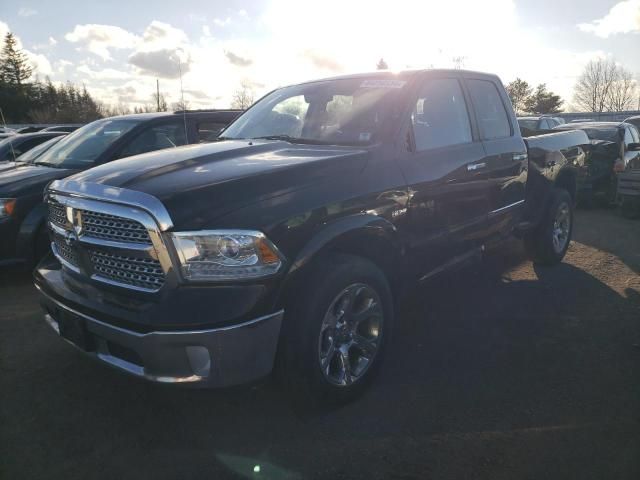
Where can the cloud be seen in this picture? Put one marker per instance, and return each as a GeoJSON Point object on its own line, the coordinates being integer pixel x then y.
{"type": "Point", "coordinates": [27, 12]}
{"type": "Point", "coordinates": [624, 17]}
{"type": "Point", "coordinates": [237, 60]}
{"type": "Point", "coordinates": [163, 63]}
{"type": "Point", "coordinates": [61, 65]}
{"type": "Point", "coordinates": [322, 61]}
{"type": "Point", "coordinates": [164, 50]}
{"type": "Point", "coordinates": [221, 23]}
{"type": "Point", "coordinates": [197, 94]}
{"type": "Point", "coordinates": [106, 74]}
{"type": "Point", "coordinates": [99, 39]}
{"type": "Point", "coordinates": [162, 35]}
{"type": "Point", "coordinates": [51, 42]}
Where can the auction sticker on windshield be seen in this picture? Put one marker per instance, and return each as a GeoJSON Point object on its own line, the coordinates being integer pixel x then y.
{"type": "Point", "coordinates": [383, 84]}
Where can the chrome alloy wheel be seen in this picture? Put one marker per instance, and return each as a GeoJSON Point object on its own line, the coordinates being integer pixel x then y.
{"type": "Point", "coordinates": [350, 334]}
{"type": "Point", "coordinates": [561, 227]}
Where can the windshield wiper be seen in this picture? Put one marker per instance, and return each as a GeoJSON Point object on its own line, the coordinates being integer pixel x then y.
{"type": "Point", "coordinates": [290, 139]}
{"type": "Point", "coordinates": [46, 164]}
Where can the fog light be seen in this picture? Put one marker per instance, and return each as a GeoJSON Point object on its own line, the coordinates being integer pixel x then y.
{"type": "Point", "coordinates": [200, 360]}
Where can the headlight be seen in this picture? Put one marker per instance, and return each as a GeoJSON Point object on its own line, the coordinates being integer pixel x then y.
{"type": "Point", "coordinates": [225, 254]}
{"type": "Point", "coordinates": [7, 205]}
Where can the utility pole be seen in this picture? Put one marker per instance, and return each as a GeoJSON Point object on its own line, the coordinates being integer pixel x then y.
{"type": "Point", "coordinates": [157, 95]}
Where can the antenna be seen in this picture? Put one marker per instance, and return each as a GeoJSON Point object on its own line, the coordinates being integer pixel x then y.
{"type": "Point", "coordinates": [184, 107]}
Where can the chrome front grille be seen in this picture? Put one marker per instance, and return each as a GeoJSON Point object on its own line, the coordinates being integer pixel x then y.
{"type": "Point", "coordinates": [114, 228]}
{"type": "Point", "coordinates": [116, 244]}
{"type": "Point", "coordinates": [140, 272]}
{"type": "Point", "coordinates": [66, 252]}
{"type": "Point", "coordinates": [57, 214]}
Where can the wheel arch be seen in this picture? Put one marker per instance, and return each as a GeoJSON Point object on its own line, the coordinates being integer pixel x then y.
{"type": "Point", "coordinates": [29, 230]}
{"type": "Point", "coordinates": [368, 236]}
{"type": "Point", "coordinates": [567, 180]}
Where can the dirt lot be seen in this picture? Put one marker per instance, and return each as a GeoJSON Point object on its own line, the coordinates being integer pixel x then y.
{"type": "Point", "coordinates": [504, 371]}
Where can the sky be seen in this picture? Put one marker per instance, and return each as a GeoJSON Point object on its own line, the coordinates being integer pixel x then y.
{"type": "Point", "coordinates": [118, 49]}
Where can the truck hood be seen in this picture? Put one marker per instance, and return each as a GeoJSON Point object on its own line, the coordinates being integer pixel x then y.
{"type": "Point", "coordinates": [18, 179]}
{"type": "Point", "coordinates": [198, 183]}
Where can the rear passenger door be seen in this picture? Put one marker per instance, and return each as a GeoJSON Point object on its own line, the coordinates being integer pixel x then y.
{"type": "Point", "coordinates": [447, 206]}
{"type": "Point", "coordinates": [505, 160]}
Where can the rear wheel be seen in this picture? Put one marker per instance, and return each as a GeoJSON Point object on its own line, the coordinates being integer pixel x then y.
{"type": "Point", "coordinates": [548, 243]}
{"type": "Point", "coordinates": [336, 331]}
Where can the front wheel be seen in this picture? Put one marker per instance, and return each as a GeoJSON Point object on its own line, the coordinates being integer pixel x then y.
{"type": "Point", "coordinates": [548, 243]}
{"type": "Point", "coordinates": [336, 331]}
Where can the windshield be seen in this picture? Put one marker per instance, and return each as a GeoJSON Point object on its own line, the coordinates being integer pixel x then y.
{"type": "Point", "coordinates": [5, 149]}
{"type": "Point", "coordinates": [338, 112]}
{"type": "Point", "coordinates": [36, 151]}
{"type": "Point", "coordinates": [608, 134]}
{"type": "Point", "coordinates": [80, 148]}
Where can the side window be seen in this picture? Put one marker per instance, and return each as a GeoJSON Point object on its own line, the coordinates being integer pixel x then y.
{"type": "Point", "coordinates": [544, 124]}
{"type": "Point", "coordinates": [28, 145]}
{"type": "Point", "coordinates": [157, 137]}
{"type": "Point", "coordinates": [492, 117]}
{"type": "Point", "coordinates": [635, 134]}
{"type": "Point", "coordinates": [209, 131]}
{"type": "Point", "coordinates": [628, 138]}
{"type": "Point", "coordinates": [440, 116]}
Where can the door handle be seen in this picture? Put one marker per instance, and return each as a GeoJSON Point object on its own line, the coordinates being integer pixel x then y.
{"type": "Point", "coordinates": [475, 166]}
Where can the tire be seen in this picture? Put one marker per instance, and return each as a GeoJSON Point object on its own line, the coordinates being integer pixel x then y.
{"type": "Point", "coordinates": [313, 324]}
{"type": "Point", "coordinates": [548, 243]}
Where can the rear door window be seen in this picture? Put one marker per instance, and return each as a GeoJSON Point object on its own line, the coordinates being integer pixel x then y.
{"type": "Point", "coordinates": [440, 117]}
{"type": "Point", "coordinates": [491, 115]}
{"type": "Point", "coordinates": [628, 137]}
{"type": "Point", "coordinates": [208, 131]}
{"type": "Point", "coordinates": [156, 137]}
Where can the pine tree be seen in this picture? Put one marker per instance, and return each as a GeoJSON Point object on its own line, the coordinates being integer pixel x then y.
{"type": "Point", "coordinates": [543, 101]}
{"type": "Point", "coordinates": [519, 92]}
{"type": "Point", "coordinates": [14, 66]}
{"type": "Point", "coordinates": [382, 65]}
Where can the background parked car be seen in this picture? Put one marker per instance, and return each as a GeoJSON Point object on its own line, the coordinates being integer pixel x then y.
{"type": "Point", "coordinates": [23, 236]}
{"type": "Point", "coordinates": [635, 121]}
{"type": "Point", "coordinates": [613, 146]}
{"type": "Point", "coordinates": [11, 148]}
{"type": "Point", "coordinates": [543, 122]}
{"type": "Point", "coordinates": [29, 129]}
{"type": "Point", "coordinates": [6, 132]}
{"type": "Point", "coordinates": [62, 128]}
{"type": "Point", "coordinates": [31, 155]}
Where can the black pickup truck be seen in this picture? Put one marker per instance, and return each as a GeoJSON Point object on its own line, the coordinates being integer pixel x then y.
{"type": "Point", "coordinates": [290, 241]}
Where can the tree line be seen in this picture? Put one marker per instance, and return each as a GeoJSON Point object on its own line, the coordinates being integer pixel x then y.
{"type": "Point", "coordinates": [39, 102]}
{"type": "Point", "coordinates": [603, 86]}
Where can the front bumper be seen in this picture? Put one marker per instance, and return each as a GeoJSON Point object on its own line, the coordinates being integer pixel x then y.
{"type": "Point", "coordinates": [217, 357]}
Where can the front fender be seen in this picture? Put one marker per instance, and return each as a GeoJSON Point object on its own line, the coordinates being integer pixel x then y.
{"type": "Point", "coordinates": [368, 235]}
{"type": "Point", "coordinates": [28, 232]}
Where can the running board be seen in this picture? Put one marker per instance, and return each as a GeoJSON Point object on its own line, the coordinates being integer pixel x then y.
{"type": "Point", "coordinates": [470, 256]}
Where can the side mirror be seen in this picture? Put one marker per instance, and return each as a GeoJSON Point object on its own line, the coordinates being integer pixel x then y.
{"type": "Point", "coordinates": [633, 147]}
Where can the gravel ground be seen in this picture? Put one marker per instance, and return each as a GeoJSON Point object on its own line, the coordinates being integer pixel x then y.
{"type": "Point", "coordinates": [501, 371]}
